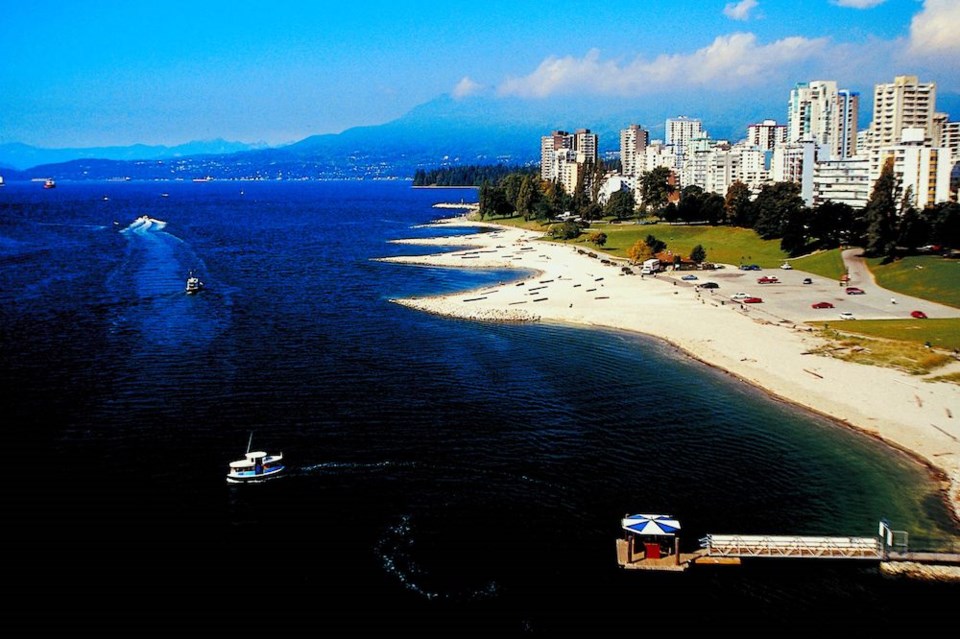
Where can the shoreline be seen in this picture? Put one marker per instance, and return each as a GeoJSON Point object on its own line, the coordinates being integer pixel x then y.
{"type": "Point", "coordinates": [568, 286]}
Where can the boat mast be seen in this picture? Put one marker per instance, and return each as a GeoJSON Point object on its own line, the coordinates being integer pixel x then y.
{"type": "Point", "coordinates": [250, 441]}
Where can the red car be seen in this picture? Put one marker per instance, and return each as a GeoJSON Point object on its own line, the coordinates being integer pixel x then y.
{"type": "Point", "coordinates": [822, 305]}
{"type": "Point", "coordinates": [751, 300]}
{"type": "Point", "coordinates": [853, 290]}
{"type": "Point", "coordinates": [767, 279]}
{"type": "Point", "coordinates": [918, 315]}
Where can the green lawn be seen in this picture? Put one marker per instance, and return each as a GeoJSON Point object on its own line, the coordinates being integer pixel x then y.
{"type": "Point", "coordinates": [723, 244]}
{"type": "Point", "coordinates": [941, 333]}
{"type": "Point", "coordinates": [828, 264]}
{"type": "Point", "coordinates": [924, 276]}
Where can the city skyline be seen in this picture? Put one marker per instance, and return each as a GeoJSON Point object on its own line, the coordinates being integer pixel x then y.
{"type": "Point", "coordinates": [108, 73]}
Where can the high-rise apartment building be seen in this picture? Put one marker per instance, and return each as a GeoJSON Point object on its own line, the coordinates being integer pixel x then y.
{"type": "Point", "coordinates": [821, 113]}
{"type": "Point", "coordinates": [950, 140]}
{"type": "Point", "coordinates": [849, 108]}
{"type": "Point", "coordinates": [563, 155]}
{"type": "Point", "coordinates": [550, 146]}
{"type": "Point", "coordinates": [903, 103]}
{"type": "Point", "coordinates": [585, 144]}
{"type": "Point", "coordinates": [679, 132]}
{"type": "Point", "coordinates": [633, 146]}
{"type": "Point", "coordinates": [766, 135]}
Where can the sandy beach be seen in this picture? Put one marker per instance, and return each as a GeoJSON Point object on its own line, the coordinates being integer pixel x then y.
{"type": "Point", "coordinates": [770, 351]}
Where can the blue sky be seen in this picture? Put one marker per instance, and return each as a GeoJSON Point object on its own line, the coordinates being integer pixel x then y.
{"type": "Point", "coordinates": [86, 73]}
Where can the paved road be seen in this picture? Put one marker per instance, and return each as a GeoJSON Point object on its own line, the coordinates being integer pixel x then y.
{"type": "Point", "coordinates": [790, 299]}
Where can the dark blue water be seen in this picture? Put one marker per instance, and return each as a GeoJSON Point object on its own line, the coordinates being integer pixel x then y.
{"type": "Point", "coordinates": [446, 477]}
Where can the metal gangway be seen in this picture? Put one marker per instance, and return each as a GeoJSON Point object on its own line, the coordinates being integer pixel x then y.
{"type": "Point", "coordinates": [776, 546]}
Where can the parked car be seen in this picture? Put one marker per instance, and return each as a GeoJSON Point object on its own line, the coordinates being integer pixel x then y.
{"type": "Point", "coordinates": [767, 279]}
{"type": "Point", "coordinates": [689, 277]}
{"type": "Point", "coordinates": [709, 285]}
{"type": "Point", "coordinates": [749, 267]}
{"type": "Point", "coordinates": [853, 290]}
{"type": "Point", "coordinates": [822, 305]}
{"type": "Point", "coordinates": [918, 315]}
{"type": "Point", "coordinates": [846, 316]}
{"type": "Point", "coordinates": [752, 300]}
{"type": "Point", "coordinates": [807, 280]}
{"type": "Point", "coordinates": [786, 266]}
{"type": "Point", "coordinates": [739, 296]}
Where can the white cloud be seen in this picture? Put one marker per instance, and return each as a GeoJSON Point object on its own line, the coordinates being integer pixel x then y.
{"type": "Point", "coordinates": [739, 10]}
{"type": "Point", "coordinates": [858, 4]}
{"type": "Point", "coordinates": [466, 87]}
{"type": "Point", "coordinates": [730, 62]}
{"type": "Point", "coordinates": [934, 31]}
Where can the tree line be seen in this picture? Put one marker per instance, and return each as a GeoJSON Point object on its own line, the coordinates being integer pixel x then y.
{"type": "Point", "coordinates": [889, 225]}
{"type": "Point", "coordinates": [467, 175]}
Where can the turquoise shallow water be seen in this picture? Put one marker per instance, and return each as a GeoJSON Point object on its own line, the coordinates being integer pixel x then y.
{"type": "Point", "coordinates": [446, 477]}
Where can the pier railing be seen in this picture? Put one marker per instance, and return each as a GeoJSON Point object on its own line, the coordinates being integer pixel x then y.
{"type": "Point", "coordinates": [792, 546]}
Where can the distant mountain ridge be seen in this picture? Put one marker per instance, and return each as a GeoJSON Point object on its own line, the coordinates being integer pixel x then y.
{"type": "Point", "coordinates": [23, 156]}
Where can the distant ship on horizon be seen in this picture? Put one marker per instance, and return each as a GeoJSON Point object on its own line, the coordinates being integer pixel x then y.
{"type": "Point", "coordinates": [49, 184]}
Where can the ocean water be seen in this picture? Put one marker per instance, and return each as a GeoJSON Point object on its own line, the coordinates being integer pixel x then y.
{"type": "Point", "coordinates": [445, 477]}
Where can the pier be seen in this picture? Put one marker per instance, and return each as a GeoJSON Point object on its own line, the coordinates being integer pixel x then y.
{"type": "Point", "coordinates": [651, 542]}
{"type": "Point", "coordinates": [793, 546]}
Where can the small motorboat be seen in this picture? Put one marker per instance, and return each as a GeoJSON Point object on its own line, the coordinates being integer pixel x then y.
{"type": "Point", "coordinates": [194, 285]}
{"type": "Point", "coordinates": [255, 466]}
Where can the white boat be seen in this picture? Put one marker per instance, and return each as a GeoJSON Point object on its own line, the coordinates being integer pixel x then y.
{"type": "Point", "coordinates": [194, 285]}
{"type": "Point", "coordinates": [255, 466]}
{"type": "Point", "coordinates": [1, 180]}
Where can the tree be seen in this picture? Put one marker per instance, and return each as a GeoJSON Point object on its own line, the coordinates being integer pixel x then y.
{"type": "Point", "coordinates": [738, 206]}
{"type": "Point", "coordinates": [557, 198]}
{"type": "Point", "coordinates": [774, 204]}
{"type": "Point", "coordinates": [945, 224]}
{"type": "Point", "coordinates": [565, 231]}
{"type": "Point", "coordinates": [711, 209]}
{"type": "Point", "coordinates": [793, 232]}
{"type": "Point", "coordinates": [598, 238]}
{"type": "Point", "coordinates": [655, 188]}
{"type": "Point", "coordinates": [655, 245]}
{"type": "Point", "coordinates": [691, 201]}
{"type": "Point", "coordinates": [599, 174]}
{"type": "Point", "coordinates": [698, 254]}
{"type": "Point", "coordinates": [639, 252]}
{"type": "Point", "coordinates": [913, 229]}
{"type": "Point", "coordinates": [592, 211]}
{"type": "Point", "coordinates": [832, 224]}
{"type": "Point", "coordinates": [621, 204]}
{"type": "Point", "coordinates": [510, 184]}
{"type": "Point", "coordinates": [880, 211]}
{"type": "Point", "coordinates": [581, 197]}
{"type": "Point", "coordinates": [528, 196]}
{"type": "Point", "coordinates": [493, 201]}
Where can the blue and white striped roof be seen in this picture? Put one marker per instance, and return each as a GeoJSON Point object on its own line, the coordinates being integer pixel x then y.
{"type": "Point", "coordinates": [651, 524]}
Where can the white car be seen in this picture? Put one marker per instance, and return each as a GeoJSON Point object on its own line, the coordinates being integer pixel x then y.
{"type": "Point", "coordinates": [786, 266]}
{"type": "Point", "coordinates": [846, 316]}
{"type": "Point", "coordinates": [739, 296]}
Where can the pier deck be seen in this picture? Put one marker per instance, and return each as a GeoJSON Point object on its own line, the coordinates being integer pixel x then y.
{"type": "Point", "coordinates": [667, 563]}
{"type": "Point", "coordinates": [793, 546]}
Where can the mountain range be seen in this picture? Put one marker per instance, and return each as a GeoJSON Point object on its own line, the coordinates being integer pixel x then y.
{"type": "Point", "coordinates": [444, 131]}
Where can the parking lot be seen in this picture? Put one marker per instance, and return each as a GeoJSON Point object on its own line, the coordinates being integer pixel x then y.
{"type": "Point", "coordinates": [791, 299]}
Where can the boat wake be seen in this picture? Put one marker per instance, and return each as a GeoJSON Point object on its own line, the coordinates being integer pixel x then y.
{"type": "Point", "coordinates": [396, 551]}
{"type": "Point", "coordinates": [143, 224]}
{"type": "Point", "coordinates": [150, 281]}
